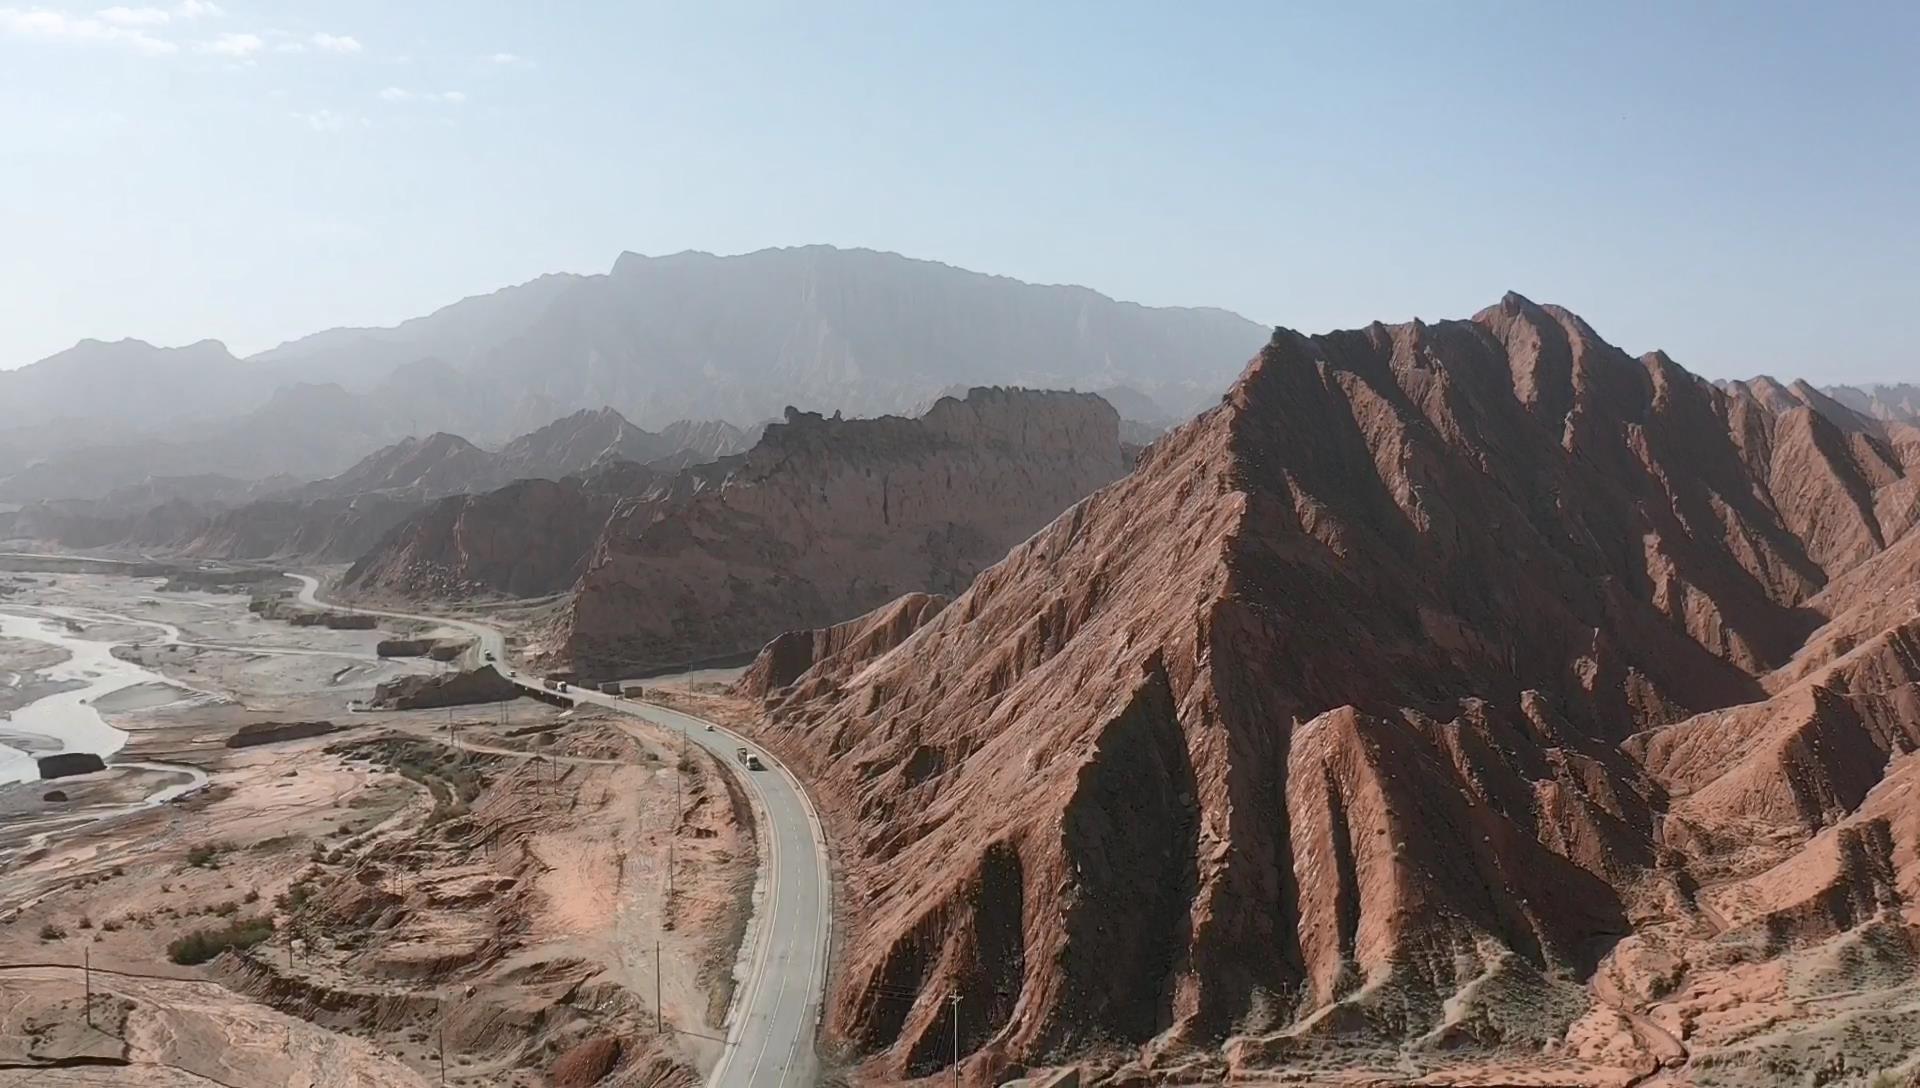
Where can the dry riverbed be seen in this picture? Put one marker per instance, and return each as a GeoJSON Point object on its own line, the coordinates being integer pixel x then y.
{"type": "Point", "coordinates": [504, 887]}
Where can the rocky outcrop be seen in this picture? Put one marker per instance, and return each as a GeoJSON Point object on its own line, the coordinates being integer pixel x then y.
{"type": "Point", "coordinates": [257, 733]}
{"type": "Point", "coordinates": [482, 685]}
{"type": "Point", "coordinates": [403, 647]}
{"type": "Point", "coordinates": [827, 518]}
{"type": "Point", "coordinates": [1427, 666]}
{"type": "Point", "coordinates": [69, 764]}
{"type": "Point", "coordinates": [289, 611]}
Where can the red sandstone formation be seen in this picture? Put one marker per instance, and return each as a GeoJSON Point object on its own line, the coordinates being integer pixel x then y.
{"type": "Point", "coordinates": [805, 660]}
{"type": "Point", "coordinates": [1371, 712]}
{"type": "Point", "coordinates": [827, 518]}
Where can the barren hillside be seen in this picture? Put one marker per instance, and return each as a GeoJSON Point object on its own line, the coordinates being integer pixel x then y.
{"type": "Point", "coordinates": [1449, 693]}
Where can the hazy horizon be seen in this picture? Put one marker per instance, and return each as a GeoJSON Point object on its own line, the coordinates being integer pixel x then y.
{"type": "Point", "coordinates": [1730, 185]}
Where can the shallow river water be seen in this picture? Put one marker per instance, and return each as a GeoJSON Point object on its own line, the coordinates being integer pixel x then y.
{"type": "Point", "coordinates": [67, 721]}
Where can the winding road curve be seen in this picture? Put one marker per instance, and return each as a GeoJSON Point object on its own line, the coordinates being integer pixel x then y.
{"type": "Point", "coordinates": [776, 1009]}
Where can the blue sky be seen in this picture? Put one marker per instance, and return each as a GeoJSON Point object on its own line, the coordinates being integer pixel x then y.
{"type": "Point", "coordinates": [1736, 183]}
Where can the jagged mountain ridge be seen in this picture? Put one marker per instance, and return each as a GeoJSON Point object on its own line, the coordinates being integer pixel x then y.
{"type": "Point", "coordinates": [1392, 682]}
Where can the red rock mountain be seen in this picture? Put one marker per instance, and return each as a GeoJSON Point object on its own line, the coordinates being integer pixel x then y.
{"type": "Point", "coordinates": [1405, 706]}
{"type": "Point", "coordinates": [827, 518]}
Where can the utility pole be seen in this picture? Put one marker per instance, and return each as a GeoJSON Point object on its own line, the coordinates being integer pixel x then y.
{"type": "Point", "coordinates": [658, 1024]}
{"type": "Point", "coordinates": [86, 969]}
{"type": "Point", "coordinates": [956, 1039]}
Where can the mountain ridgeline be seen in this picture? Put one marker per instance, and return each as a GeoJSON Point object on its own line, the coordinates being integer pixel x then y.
{"type": "Point", "coordinates": [822, 519]}
{"type": "Point", "coordinates": [1423, 697]}
{"type": "Point", "coordinates": [689, 336]}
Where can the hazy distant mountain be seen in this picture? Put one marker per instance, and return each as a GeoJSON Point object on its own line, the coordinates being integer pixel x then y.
{"type": "Point", "coordinates": [740, 338]}
{"type": "Point", "coordinates": [572, 445]}
{"type": "Point", "coordinates": [1895, 403]}
{"type": "Point", "coordinates": [336, 518]}
{"type": "Point", "coordinates": [439, 464]}
{"type": "Point", "coordinates": [130, 385]}
{"type": "Point", "coordinates": [447, 464]}
{"type": "Point", "coordinates": [709, 439]}
{"type": "Point", "coordinates": [303, 431]}
{"type": "Point", "coordinates": [658, 339]}
{"type": "Point", "coordinates": [459, 336]}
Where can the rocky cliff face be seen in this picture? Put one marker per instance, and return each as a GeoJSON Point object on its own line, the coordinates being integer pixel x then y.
{"type": "Point", "coordinates": [826, 518]}
{"type": "Point", "coordinates": [1440, 674]}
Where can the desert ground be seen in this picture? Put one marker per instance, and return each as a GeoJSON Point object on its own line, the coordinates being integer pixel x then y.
{"type": "Point", "coordinates": [528, 895]}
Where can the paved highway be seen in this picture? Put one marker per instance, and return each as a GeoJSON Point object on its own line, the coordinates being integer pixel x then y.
{"type": "Point", "coordinates": [776, 1008]}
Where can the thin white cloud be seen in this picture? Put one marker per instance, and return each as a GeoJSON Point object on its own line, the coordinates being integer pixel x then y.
{"type": "Point", "coordinates": [401, 94]}
{"type": "Point", "coordinates": [54, 26]}
{"type": "Point", "coordinates": [335, 43]}
{"type": "Point", "coordinates": [324, 120]}
{"type": "Point", "coordinates": [122, 16]}
{"type": "Point", "coordinates": [505, 60]}
{"type": "Point", "coordinates": [233, 45]}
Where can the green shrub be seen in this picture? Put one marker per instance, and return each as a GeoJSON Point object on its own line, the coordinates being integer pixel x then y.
{"type": "Point", "coordinates": [204, 944]}
{"type": "Point", "coordinates": [52, 932]}
{"type": "Point", "coordinates": [203, 855]}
